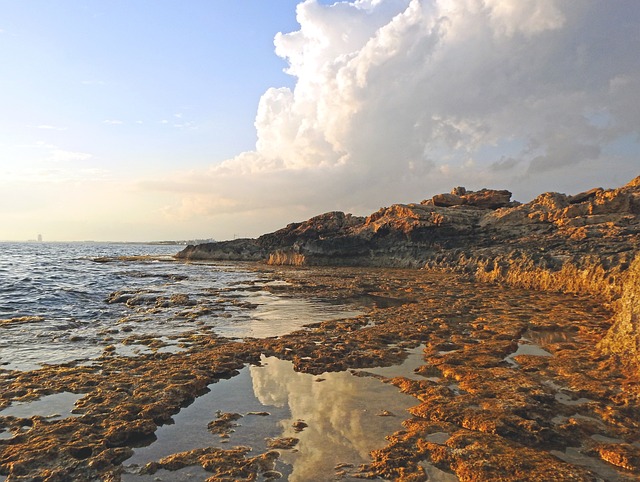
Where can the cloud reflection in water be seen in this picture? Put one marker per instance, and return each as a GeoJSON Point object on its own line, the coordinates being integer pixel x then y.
{"type": "Point", "coordinates": [342, 413]}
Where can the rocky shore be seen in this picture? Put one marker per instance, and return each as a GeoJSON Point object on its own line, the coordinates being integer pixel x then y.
{"type": "Point", "coordinates": [527, 325]}
{"type": "Point", "coordinates": [582, 243]}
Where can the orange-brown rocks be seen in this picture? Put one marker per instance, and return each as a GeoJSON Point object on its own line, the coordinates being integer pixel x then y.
{"type": "Point", "coordinates": [511, 379]}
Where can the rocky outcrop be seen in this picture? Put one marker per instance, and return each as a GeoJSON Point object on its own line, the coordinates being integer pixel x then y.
{"type": "Point", "coordinates": [581, 243]}
{"type": "Point", "coordinates": [236, 250]}
{"type": "Point", "coordinates": [623, 339]}
{"type": "Point", "coordinates": [485, 198]}
{"type": "Point", "coordinates": [296, 238]}
{"type": "Point", "coordinates": [463, 230]}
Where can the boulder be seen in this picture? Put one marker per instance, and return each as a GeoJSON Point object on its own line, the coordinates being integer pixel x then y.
{"type": "Point", "coordinates": [484, 199]}
{"type": "Point", "coordinates": [447, 200]}
{"type": "Point", "coordinates": [488, 198]}
{"type": "Point", "coordinates": [585, 196]}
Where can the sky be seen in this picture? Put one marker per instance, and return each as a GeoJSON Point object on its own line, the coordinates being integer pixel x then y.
{"type": "Point", "coordinates": [148, 120]}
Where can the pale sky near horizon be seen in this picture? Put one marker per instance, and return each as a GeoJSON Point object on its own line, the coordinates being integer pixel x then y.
{"type": "Point", "coordinates": [134, 120]}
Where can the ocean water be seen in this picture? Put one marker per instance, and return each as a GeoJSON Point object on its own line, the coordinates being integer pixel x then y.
{"type": "Point", "coordinates": [63, 302]}
{"type": "Point", "coordinates": [74, 302]}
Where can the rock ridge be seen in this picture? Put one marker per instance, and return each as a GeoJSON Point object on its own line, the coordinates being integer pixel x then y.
{"type": "Point", "coordinates": [581, 243]}
{"type": "Point", "coordinates": [486, 230]}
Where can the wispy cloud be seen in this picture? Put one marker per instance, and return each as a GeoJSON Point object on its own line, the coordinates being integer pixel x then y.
{"type": "Point", "coordinates": [51, 128]}
{"type": "Point", "coordinates": [61, 155]}
{"type": "Point", "coordinates": [57, 175]}
{"type": "Point", "coordinates": [113, 122]}
{"type": "Point", "coordinates": [179, 122]}
{"type": "Point", "coordinates": [504, 164]}
{"type": "Point", "coordinates": [185, 125]}
{"type": "Point", "coordinates": [55, 153]}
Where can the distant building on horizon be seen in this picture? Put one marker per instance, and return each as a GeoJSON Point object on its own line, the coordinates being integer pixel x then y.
{"type": "Point", "coordinates": [39, 238]}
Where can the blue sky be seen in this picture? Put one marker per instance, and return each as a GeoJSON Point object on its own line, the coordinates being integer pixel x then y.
{"type": "Point", "coordinates": [149, 120]}
{"type": "Point", "coordinates": [147, 80]}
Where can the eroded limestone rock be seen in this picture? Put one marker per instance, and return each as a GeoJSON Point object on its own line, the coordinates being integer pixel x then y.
{"type": "Point", "coordinates": [623, 339]}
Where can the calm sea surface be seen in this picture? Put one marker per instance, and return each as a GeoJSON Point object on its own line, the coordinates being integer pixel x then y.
{"type": "Point", "coordinates": [77, 302]}
{"type": "Point", "coordinates": [61, 302]}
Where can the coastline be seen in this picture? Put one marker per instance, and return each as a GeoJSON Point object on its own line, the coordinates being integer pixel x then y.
{"type": "Point", "coordinates": [485, 406]}
{"type": "Point", "coordinates": [526, 318]}
{"type": "Point", "coordinates": [586, 243]}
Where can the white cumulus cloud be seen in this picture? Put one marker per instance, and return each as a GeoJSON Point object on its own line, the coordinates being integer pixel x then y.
{"type": "Point", "coordinates": [397, 99]}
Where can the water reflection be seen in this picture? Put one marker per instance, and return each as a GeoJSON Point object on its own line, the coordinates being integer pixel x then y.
{"type": "Point", "coordinates": [547, 337]}
{"type": "Point", "coordinates": [54, 407]}
{"type": "Point", "coordinates": [414, 360]}
{"type": "Point", "coordinates": [526, 348]}
{"type": "Point", "coordinates": [342, 414]}
{"type": "Point", "coordinates": [188, 474]}
{"type": "Point", "coordinates": [434, 474]}
{"type": "Point", "coordinates": [278, 315]}
{"type": "Point", "coordinates": [575, 456]}
{"type": "Point", "coordinates": [189, 430]}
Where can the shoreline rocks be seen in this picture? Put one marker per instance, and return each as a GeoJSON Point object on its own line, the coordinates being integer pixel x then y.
{"type": "Point", "coordinates": [581, 243]}
{"type": "Point", "coordinates": [486, 408]}
{"type": "Point", "coordinates": [595, 227]}
{"type": "Point", "coordinates": [485, 198]}
{"type": "Point", "coordinates": [506, 412]}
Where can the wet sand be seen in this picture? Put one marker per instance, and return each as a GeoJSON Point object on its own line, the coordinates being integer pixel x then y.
{"type": "Point", "coordinates": [509, 386]}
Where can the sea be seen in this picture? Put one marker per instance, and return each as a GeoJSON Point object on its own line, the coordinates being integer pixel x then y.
{"type": "Point", "coordinates": [76, 302]}
{"type": "Point", "coordinates": [69, 302]}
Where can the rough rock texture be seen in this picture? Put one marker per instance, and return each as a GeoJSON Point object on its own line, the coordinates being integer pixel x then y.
{"type": "Point", "coordinates": [485, 198]}
{"type": "Point", "coordinates": [597, 227]}
{"type": "Point", "coordinates": [489, 405]}
{"type": "Point", "coordinates": [582, 243]}
{"type": "Point", "coordinates": [623, 339]}
{"type": "Point", "coordinates": [516, 384]}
